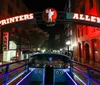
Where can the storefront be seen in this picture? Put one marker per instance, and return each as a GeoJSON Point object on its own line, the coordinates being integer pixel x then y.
{"type": "Point", "coordinates": [11, 49]}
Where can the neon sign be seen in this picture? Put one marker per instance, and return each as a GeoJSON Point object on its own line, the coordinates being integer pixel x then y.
{"type": "Point", "coordinates": [83, 17]}
{"type": "Point", "coordinates": [5, 40]}
{"type": "Point", "coordinates": [49, 15]}
{"type": "Point", "coordinates": [86, 17]}
{"type": "Point", "coordinates": [17, 19]}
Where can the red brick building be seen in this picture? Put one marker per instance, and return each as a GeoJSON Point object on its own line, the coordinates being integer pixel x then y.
{"type": "Point", "coordinates": [10, 8]}
{"type": "Point", "coordinates": [88, 37]}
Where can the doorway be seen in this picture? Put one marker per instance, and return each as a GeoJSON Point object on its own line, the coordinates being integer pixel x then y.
{"type": "Point", "coordinates": [80, 52]}
{"type": "Point", "coordinates": [87, 53]}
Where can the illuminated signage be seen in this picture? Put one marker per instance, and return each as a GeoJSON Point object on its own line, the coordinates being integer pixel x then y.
{"type": "Point", "coordinates": [5, 40]}
{"type": "Point", "coordinates": [16, 19]}
{"type": "Point", "coordinates": [12, 45]}
{"type": "Point", "coordinates": [49, 15]}
{"type": "Point", "coordinates": [83, 17]}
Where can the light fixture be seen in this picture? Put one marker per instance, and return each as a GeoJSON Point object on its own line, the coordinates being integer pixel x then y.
{"type": "Point", "coordinates": [68, 43]}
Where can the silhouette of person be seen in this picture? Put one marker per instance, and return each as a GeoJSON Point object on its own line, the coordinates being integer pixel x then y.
{"type": "Point", "coordinates": [50, 13]}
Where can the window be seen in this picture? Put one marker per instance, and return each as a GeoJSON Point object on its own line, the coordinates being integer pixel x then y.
{"type": "Point", "coordinates": [82, 10]}
{"type": "Point", "coordinates": [91, 4]}
{"type": "Point", "coordinates": [10, 10]}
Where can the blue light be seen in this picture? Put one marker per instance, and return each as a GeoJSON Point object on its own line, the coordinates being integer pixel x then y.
{"type": "Point", "coordinates": [71, 79]}
{"type": "Point", "coordinates": [44, 76]}
{"type": "Point", "coordinates": [79, 79]}
{"type": "Point", "coordinates": [26, 76]}
{"type": "Point", "coordinates": [50, 59]}
{"type": "Point", "coordinates": [15, 77]}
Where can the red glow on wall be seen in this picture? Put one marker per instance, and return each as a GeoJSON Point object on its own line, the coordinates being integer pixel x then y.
{"type": "Point", "coordinates": [17, 19]}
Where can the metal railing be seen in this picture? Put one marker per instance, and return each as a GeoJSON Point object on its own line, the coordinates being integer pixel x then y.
{"type": "Point", "coordinates": [26, 69]}
{"type": "Point", "coordinates": [8, 71]}
{"type": "Point", "coordinates": [88, 74]}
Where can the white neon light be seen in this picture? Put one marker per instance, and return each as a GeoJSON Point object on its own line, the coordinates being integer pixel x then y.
{"type": "Point", "coordinates": [79, 79]}
{"type": "Point", "coordinates": [86, 17]}
{"type": "Point", "coordinates": [81, 17]}
{"type": "Point", "coordinates": [17, 19]}
{"type": "Point", "coordinates": [75, 16]}
{"type": "Point", "coordinates": [15, 77]}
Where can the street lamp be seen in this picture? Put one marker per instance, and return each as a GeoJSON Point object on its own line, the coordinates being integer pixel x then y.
{"type": "Point", "coordinates": [68, 43]}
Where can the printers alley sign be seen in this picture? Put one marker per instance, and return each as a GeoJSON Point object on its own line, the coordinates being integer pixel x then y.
{"type": "Point", "coordinates": [17, 19]}
{"type": "Point", "coordinates": [50, 15]}
{"type": "Point", "coordinates": [83, 17]}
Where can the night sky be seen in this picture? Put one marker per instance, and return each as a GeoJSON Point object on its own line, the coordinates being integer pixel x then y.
{"type": "Point", "coordinates": [40, 5]}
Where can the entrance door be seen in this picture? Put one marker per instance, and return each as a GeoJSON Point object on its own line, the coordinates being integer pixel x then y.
{"type": "Point", "coordinates": [80, 53]}
{"type": "Point", "coordinates": [48, 75]}
{"type": "Point", "coordinates": [87, 52]}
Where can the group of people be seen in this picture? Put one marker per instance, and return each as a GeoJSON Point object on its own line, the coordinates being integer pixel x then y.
{"type": "Point", "coordinates": [41, 63]}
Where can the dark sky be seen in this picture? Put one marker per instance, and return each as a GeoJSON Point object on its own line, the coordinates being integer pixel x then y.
{"type": "Point", "coordinates": [40, 5]}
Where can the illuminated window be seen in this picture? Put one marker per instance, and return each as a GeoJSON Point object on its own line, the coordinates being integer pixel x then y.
{"type": "Point", "coordinates": [91, 4]}
{"type": "Point", "coordinates": [12, 45]}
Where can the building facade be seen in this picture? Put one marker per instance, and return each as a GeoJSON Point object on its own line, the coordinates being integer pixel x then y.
{"type": "Point", "coordinates": [88, 37]}
{"type": "Point", "coordinates": [70, 33]}
{"type": "Point", "coordinates": [9, 35]}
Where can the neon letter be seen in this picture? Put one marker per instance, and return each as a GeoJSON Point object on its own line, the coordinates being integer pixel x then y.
{"type": "Point", "coordinates": [16, 18]}
{"type": "Point", "coordinates": [81, 17]}
{"type": "Point", "coordinates": [21, 18]}
{"type": "Point", "coordinates": [26, 17]}
{"type": "Point", "coordinates": [87, 18]}
{"type": "Point", "coordinates": [0, 23]}
{"type": "Point", "coordinates": [3, 22]}
{"type": "Point", "coordinates": [11, 20]}
{"type": "Point", "coordinates": [75, 16]}
{"type": "Point", "coordinates": [93, 18]}
{"type": "Point", "coordinates": [31, 16]}
{"type": "Point", "coordinates": [98, 20]}
{"type": "Point", "coordinates": [7, 21]}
